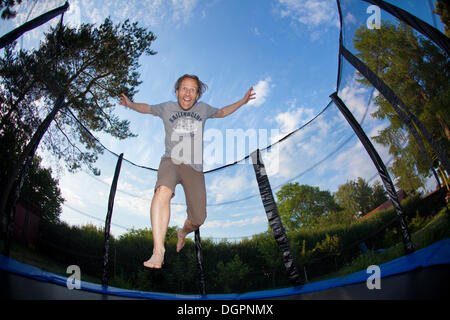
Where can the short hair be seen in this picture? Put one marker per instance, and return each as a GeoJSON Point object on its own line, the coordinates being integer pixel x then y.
{"type": "Point", "coordinates": [202, 87]}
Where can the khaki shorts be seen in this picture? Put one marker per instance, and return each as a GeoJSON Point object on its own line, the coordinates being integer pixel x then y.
{"type": "Point", "coordinates": [193, 182]}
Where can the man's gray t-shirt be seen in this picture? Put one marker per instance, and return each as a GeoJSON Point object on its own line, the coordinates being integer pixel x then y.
{"type": "Point", "coordinates": [184, 131]}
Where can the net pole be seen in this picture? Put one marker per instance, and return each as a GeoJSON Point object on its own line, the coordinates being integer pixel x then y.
{"type": "Point", "coordinates": [112, 195]}
{"type": "Point", "coordinates": [10, 37]}
{"type": "Point", "coordinates": [199, 256]}
{"type": "Point", "coordinates": [274, 218]}
{"type": "Point", "coordinates": [381, 168]}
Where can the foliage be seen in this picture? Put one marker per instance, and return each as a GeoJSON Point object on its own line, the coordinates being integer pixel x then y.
{"type": "Point", "coordinates": [42, 190]}
{"type": "Point", "coordinates": [358, 197]}
{"type": "Point", "coordinates": [419, 73]}
{"type": "Point", "coordinates": [436, 228]}
{"type": "Point", "coordinates": [72, 245]}
{"type": "Point", "coordinates": [372, 230]}
{"type": "Point", "coordinates": [300, 206]}
{"type": "Point", "coordinates": [268, 249]}
{"type": "Point", "coordinates": [249, 265]}
{"type": "Point", "coordinates": [7, 6]}
{"type": "Point", "coordinates": [230, 275]}
{"type": "Point", "coordinates": [328, 246]}
{"type": "Point", "coordinates": [18, 118]}
{"type": "Point", "coordinates": [443, 9]}
{"type": "Point", "coordinates": [89, 66]}
{"type": "Point", "coordinates": [18, 107]}
{"type": "Point", "coordinates": [391, 237]}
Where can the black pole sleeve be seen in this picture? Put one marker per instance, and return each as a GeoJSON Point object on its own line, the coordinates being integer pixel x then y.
{"type": "Point", "coordinates": [10, 37]}
{"type": "Point", "coordinates": [275, 222]}
{"type": "Point", "coordinates": [112, 195]}
{"type": "Point", "coordinates": [201, 271]}
{"type": "Point", "coordinates": [384, 174]}
{"type": "Point", "coordinates": [424, 28]}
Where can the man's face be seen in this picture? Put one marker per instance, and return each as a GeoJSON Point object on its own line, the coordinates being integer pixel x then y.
{"type": "Point", "coordinates": [187, 93]}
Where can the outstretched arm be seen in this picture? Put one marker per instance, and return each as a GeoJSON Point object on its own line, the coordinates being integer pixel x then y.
{"type": "Point", "coordinates": [139, 107]}
{"type": "Point", "coordinates": [226, 111]}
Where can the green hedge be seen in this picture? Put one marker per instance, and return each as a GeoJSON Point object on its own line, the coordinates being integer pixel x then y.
{"type": "Point", "coordinates": [252, 264]}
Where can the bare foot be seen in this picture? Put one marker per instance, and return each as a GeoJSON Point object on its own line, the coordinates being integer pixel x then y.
{"type": "Point", "coordinates": [156, 261]}
{"type": "Point", "coordinates": [180, 242]}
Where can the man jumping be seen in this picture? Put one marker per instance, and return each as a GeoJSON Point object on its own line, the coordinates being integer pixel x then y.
{"type": "Point", "coordinates": [182, 162]}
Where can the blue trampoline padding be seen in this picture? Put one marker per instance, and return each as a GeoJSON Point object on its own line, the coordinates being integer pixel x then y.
{"type": "Point", "coordinates": [435, 254]}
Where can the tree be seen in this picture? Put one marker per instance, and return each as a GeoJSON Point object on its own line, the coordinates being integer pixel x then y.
{"type": "Point", "coordinates": [300, 206]}
{"type": "Point", "coordinates": [419, 73]}
{"type": "Point", "coordinates": [41, 189]}
{"type": "Point", "coordinates": [92, 67]}
{"type": "Point", "coordinates": [443, 9]}
{"type": "Point", "coordinates": [358, 197]}
{"type": "Point", "coordinates": [6, 6]}
{"type": "Point", "coordinates": [268, 249]}
{"type": "Point", "coordinates": [19, 99]}
{"type": "Point", "coordinates": [231, 274]}
{"type": "Point", "coordinates": [379, 195]}
{"type": "Point", "coordinates": [75, 74]}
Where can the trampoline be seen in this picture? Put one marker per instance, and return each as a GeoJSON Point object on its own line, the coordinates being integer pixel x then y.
{"type": "Point", "coordinates": [421, 274]}
{"type": "Point", "coordinates": [424, 274]}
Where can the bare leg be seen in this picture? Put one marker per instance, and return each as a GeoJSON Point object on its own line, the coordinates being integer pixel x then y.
{"type": "Point", "coordinates": [182, 233]}
{"type": "Point", "coordinates": [160, 216]}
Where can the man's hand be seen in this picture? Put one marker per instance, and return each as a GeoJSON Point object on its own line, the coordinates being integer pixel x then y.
{"type": "Point", "coordinates": [250, 95]}
{"type": "Point", "coordinates": [138, 107]}
{"type": "Point", "coordinates": [226, 111]}
{"type": "Point", "coordinates": [124, 101]}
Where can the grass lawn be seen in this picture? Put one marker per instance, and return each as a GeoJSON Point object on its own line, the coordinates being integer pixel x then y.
{"type": "Point", "coordinates": [29, 255]}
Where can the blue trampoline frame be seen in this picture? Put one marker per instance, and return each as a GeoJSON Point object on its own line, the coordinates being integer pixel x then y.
{"type": "Point", "coordinates": [437, 254]}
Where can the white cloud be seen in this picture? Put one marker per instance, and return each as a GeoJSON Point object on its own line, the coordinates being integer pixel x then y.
{"type": "Point", "coordinates": [354, 162]}
{"type": "Point", "coordinates": [132, 198]}
{"type": "Point", "coordinates": [283, 161]}
{"type": "Point", "coordinates": [317, 15]}
{"type": "Point", "coordinates": [256, 31]}
{"type": "Point", "coordinates": [73, 15]}
{"type": "Point", "coordinates": [147, 12]}
{"type": "Point", "coordinates": [135, 206]}
{"type": "Point", "coordinates": [310, 12]}
{"type": "Point", "coordinates": [349, 18]}
{"type": "Point", "coordinates": [182, 9]}
{"type": "Point", "coordinates": [262, 90]}
{"type": "Point", "coordinates": [178, 215]}
{"type": "Point", "coordinates": [223, 188]}
{"type": "Point", "coordinates": [72, 197]}
{"type": "Point", "coordinates": [292, 119]}
{"type": "Point", "coordinates": [236, 223]}
{"type": "Point", "coordinates": [356, 98]}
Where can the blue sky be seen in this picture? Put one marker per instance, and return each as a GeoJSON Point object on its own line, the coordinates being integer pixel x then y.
{"type": "Point", "coordinates": [286, 49]}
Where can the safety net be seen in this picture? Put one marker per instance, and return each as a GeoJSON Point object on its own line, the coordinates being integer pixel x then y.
{"type": "Point", "coordinates": [333, 177]}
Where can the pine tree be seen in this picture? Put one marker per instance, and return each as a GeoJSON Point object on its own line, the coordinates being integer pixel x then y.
{"type": "Point", "coordinates": [74, 79]}
{"type": "Point", "coordinates": [419, 73]}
